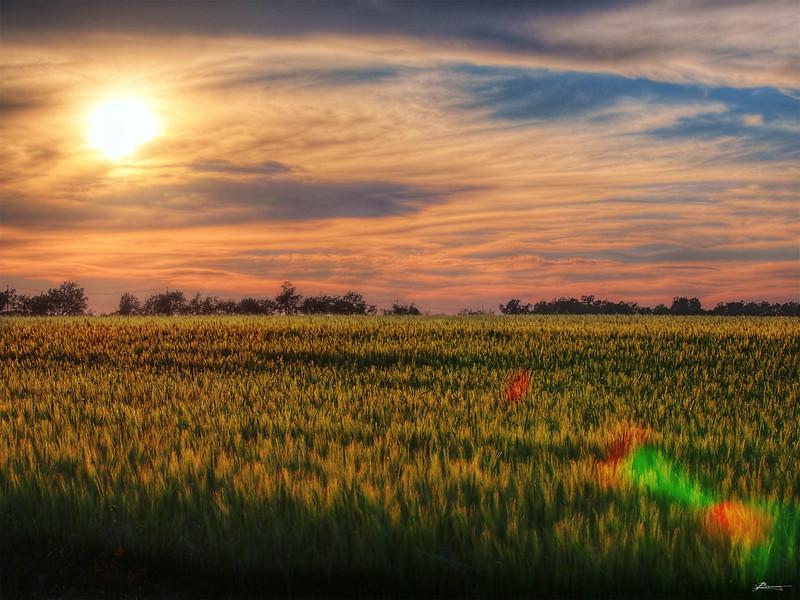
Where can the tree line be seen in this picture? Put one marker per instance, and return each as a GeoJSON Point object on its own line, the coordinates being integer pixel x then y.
{"type": "Point", "coordinates": [66, 300]}
{"type": "Point", "coordinates": [288, 302]}
{"type": "Point", "coordinates": [69, 299]}
{"type": "Point", "coordinates": [681, 305]}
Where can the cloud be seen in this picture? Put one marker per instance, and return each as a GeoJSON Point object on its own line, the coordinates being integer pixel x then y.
{"type": "Point", "coordinates": [753, 120]}
{"type": "Point", "coordinates": [270, 167]}
{"type": "Point", "coordinates": [31, 213]}
{"type": "Point", "coordinates": [667, 254]}
{"type": "Point", "coordinates": [515, 93]}
{"type": "Point", "coordinates": [449, 154]}
{"type": "Point", "coordinates": [258, 75]}
{"type": "Point", "coordinates": [745, 141]}
{"type": "Point", "coordinates": [209, 201]}
{"type": "Point", "coordinates": [759, 124]}
{"type": "Point", "coordinates": [736, 43]}
{"type": "Point", "coordinates": [16, 100]}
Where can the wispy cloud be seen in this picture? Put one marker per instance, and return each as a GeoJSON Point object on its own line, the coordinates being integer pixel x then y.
{"type": "Point", "coordinates": [739, 43]}
{"type": "Point", "coordinates": [270, 167]}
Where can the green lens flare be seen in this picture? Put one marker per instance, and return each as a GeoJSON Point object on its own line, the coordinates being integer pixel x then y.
{"type": "Point", "coordinates": [649, 469]}
{"type": "Point", "coordinates": [766, 533]}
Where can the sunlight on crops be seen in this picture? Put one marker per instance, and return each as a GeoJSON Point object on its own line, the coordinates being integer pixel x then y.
{"type": "Point", "coordinates": [306, 453]}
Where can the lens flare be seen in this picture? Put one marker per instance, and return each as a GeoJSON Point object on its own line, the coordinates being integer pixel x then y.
{"type": "Point", "coordinates": [765, 531]}
{"type": "Point", "coordinates": [623, 442]}
{"type": "Point", "coordinates": [628, 438]}
{"type": "Point", "coordinates": [738, 522]}
{"type": "Point", "coordinates": [517, 385]}
{"type": "Point", "coordinates": [650, 470]}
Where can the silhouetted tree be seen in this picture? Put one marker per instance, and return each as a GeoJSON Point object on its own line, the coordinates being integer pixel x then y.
{"type": "Point", "coordinates": [589, 305]}
{"type": "Point", "coordinates": [475, 312]}
{"type": "Point", "coordinates": [681, 305]}
{"type": "Point", "coordinates": [129, 305]}
{"type": "Point", "coordinates": [355, 304]}
{"type": "Point", "coordinates": [8, 300]}
{"type": "Point", "coordinates": [741, 308]}
{"type": "Point", "coordinates": [225, 307]}
{"type": "Point", "coordinates": [288, 301]}
{"type": "Point", "coordinates": [515, 307]}
{"type": "Point", "coordinates": [211, 305]}
{"type": "Point", "coordinates": [35, 306]}
{"type": "Point", "coordinates": [789, 309]}
{"type": "Point", "coordinates": [68, 299]}
{"type": "Point", "coordinates": [168, 303]}
{"type": "Point", "coordinates": [255, 306]}
{"type": "Point", "coordinates": [402, 309]}
{"type": "Point", "coordinates": [352, 303]}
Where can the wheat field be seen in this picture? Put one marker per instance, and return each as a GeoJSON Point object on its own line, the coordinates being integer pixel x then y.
{"type": "Point", "coordinates": [365, 456]}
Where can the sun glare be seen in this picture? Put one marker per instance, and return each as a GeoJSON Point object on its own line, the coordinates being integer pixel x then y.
{"type": "Point", "coordinates": [119, 126]}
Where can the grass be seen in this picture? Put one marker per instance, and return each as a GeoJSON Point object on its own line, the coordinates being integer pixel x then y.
{"type": "Point", "coordinates": [381, 456]}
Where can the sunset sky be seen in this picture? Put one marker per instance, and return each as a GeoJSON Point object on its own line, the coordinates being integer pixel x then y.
{"type": "Point", "coordinates": [451, 154]}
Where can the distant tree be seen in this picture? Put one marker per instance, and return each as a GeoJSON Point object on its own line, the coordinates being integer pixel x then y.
{"type": "Point", "coordinates": [590, 305]}
{"type": "Point", "coordinates": [8, 300]}
{"type": "Point", "coordinates": [475, 312]}
{"type": "Point", "coordinates": [129, 305]}
{"type": "Point", "coordinates": [168, 303]}
{"type": "Point", "coordinates": [403, 309]}
{"type": "Point", "coordinates": [620, 308]}
{"type": "Point", "coordinates": [225, 307]}
{"type": "Point", "coordinates": [68, 299]}
{"type": "Point", "coordinates": [681, 305]}
{"type": "Point", "coordinates": [515, 307]}
{"type": "Point", "coordinates": [789, 309]}
{"type": "Point", "coordinates": [249, 306]}
{"type": "Point", "coordinates": [255, 306]}
{"type": "Point", "coordinates": [210, 305]}
{"type": "Point", "coordinates": [288, 301]}
{"type": "Point", "coordinates": [35, 306]}
{"type": "Point", "coordinates": [317, 305]}
{"type": "Point", "coordinates": [741, 308]}
{"type": "Point", "coordinates": [355, 304]}
{"type": "Point", "coordinates": [195, 305]}
{"type": "Point", "coordinates": [352, 303]}
{"type": "Point", "coordinates": [561, 306]}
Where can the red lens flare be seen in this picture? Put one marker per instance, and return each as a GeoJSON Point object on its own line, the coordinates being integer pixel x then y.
{"type": "Point", "coordinates": [517, 385]}
{"type": "Point", "coordinates": [623, 442]}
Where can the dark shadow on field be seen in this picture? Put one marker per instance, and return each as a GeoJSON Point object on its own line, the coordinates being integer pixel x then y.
{"type": "Point", "coordinates": [352, 551]}
{"type": "Point", "coordinates": [276, 349]}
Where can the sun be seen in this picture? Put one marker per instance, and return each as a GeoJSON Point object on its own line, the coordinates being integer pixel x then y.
{"type": "Point", "coordinates": [117, 127]}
